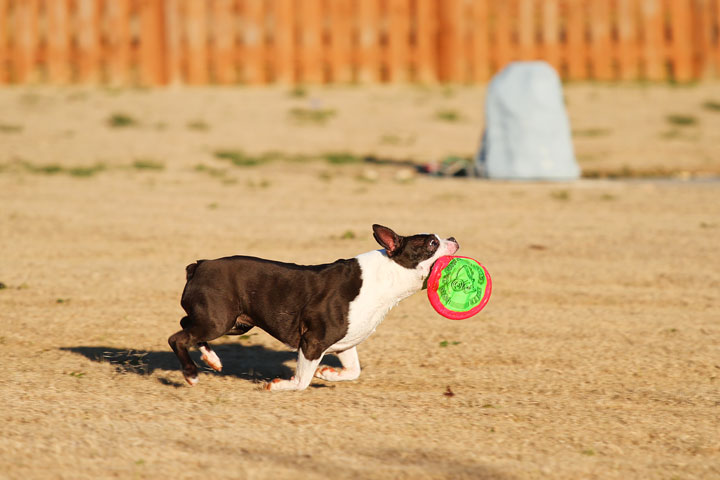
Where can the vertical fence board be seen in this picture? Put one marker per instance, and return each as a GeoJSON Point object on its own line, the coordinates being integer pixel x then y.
{"type": "Point", "coordinates": [681, 50]}
{"type": "Point", "coordinates": [600, 46]}
{"type": "Point", "coordinates": [627, 40]}
{"type": "Point", "coordinates": [88, 40]}
{"type": "Point", "coordinates": [4, 74]}
{"type": "Point", "coordinates": [480, 41]}
{"type": "Point", "coordinates": [426, 41]}
{"type": "Point", "coordinates": [368, 41]}
{"type": "Point", "coordinates": [716, 46]}
{"type": "Point", "coordinates": [341, 31]}
{"type": "Point", "coordinates": [576, 45]}
{"type": "Point", "coordinates": [25, 41]}
{"type": "Point", "coordinates": [703, 28]}
{"type": "Point", "coordinates": [196, 57]}
{"type": "Point", "coordinates": [173, 43]}
{"type": "Point", "coordinates": [118, 16]}
{"type": "Point", "coordinates": [501, 34]}
{"type": "Point", "coordinates": [398, 40]}
{"type": "Point", "coordinates": [58, 41]}
{"type": "Point", "coordinates": [451, 53]}
{"type": "Point", "coordinates": [284, 41]}
{"type": "Point", "coordinates": [551, 33]}
{"type": "Point", "coordinates": [311, 42]}
{"type": "Point", "coordinates": [653, 40]}
{"type": "Point", "coordinates": [152, 40]}
{"type": "Point", "coordinates": [526, 30]}
{"type": "Point", "coordinates": [222, 52]}
{"type": "Point", "coordinates": [253, 41]}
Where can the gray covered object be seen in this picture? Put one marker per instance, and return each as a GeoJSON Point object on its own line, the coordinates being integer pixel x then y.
{"type": "Point", "coordinates": [527, 133]}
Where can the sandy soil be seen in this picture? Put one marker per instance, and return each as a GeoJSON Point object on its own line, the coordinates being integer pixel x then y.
{"type": "Point", "coordinates": [597, 356]}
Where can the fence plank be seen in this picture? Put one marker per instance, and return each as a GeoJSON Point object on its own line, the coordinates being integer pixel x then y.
{"type": "Point", "coordinates": [653, 40]}
{"type": "Point", "coordinates": [88, 41]}
{"type": "Point", "coordinates": [196, 38]}
{"type": "Point", "coordinates": [398, 57]}
{"type": "Point", "coordinates": [681, 49]}
{"type": "Point", "coordinates": [222, 50]}
{"type": "Point", "coordinates": [310, 44]}
{"type": "Point", "coordinates": [173, 44]}
{"type": "Point", "coordinates": [253, 41]}
{"type": "Point", "coordinates": [600, 46]}
{"type": "Point", "coordinates": [527, 49]}
{"type": "Point", "coordinates": [480, 40]}
{"type": "Point", "coordinates": [58, 41]}
{"type": "Point", "coordinates": [368, 41]}
{"type": "Point", "coordinates": [284, 41]}
{"type": "Point", "coordinates": [501, 35]}
{"type": "Point", "coordinates": [152, 41]}
{"type": "Point", "coordinates": [627, 40]}
{"type": "Point", "coordinates": [576, 45]}
{"type": "Point", "coordinates": [4, 54]}
{"type": "Point", "coordinates": [551, 33]}
{"type": "Point", "coordinates": [341, 31]}
{"type": "Point", "coordinates": [118, 16]}
{"type": "Point", "coordinates": [703, 27]}
{"type": "Point", "coordinates": [26, 41]}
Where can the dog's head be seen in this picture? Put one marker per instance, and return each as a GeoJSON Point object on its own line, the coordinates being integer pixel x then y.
{"type": "Point", "coordinates": [415, 252]}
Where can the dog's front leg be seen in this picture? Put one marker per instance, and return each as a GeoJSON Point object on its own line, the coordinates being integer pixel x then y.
{"type": "Point", "coordinates": [303, 375]}
{"type": "Point", "coordinates": [350, 367]}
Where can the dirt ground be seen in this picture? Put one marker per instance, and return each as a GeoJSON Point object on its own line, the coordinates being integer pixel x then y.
{"type": "Point", "coordinates": [598, 355]}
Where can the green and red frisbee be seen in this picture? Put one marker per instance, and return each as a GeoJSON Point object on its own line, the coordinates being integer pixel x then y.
{"type": "Point", "coordinates": [458, 287]}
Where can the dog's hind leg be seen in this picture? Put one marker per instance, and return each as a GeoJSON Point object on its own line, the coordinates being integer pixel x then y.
{"type": "Point", "coordinates": [179, 342]}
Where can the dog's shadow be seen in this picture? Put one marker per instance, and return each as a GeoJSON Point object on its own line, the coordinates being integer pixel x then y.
{"type": "Point", "coordinates": [255, 363]}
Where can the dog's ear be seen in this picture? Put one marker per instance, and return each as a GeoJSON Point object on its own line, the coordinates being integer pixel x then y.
{"type": "Point", "coordinates": [390, 240]}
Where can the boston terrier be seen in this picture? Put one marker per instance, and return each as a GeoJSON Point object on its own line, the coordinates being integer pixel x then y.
{"type": "Point", "coordinates": [315, 309]}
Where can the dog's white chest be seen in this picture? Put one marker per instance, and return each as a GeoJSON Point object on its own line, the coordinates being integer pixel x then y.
{"type": "Point", "coordinates": [384, 285]}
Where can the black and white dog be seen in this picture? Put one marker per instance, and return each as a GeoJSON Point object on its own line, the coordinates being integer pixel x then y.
{"type": "Point", "coordinates": [316, 309]}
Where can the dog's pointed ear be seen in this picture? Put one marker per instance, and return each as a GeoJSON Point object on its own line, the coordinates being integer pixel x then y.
{"type": "Point", "coordinates": [390, 240]}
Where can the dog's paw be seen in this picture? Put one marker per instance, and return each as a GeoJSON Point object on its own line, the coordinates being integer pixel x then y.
{"type": "Point", "coordinates": [280, 384]}
{"type": "Point", "coordinates": [212, 360]}
{"type": "Point", "coordinates": [192, 380]}
{"type": "Point", "coordinates": [334, 375]}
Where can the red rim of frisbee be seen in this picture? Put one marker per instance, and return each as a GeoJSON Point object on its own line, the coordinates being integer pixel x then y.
{"type": "Point", "coordinates": [434, 282]}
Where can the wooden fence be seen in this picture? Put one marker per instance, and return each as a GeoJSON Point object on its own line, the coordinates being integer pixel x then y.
{"type": "Point", "coordinates": [158, 42]}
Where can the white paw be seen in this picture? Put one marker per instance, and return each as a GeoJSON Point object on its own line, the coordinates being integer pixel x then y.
{"type": "Point", "coordinates": [191, 380]}
{"type": "Point", "coordinates": [334, 375]}
{"type": "Point", "coordinates": [279, 384]}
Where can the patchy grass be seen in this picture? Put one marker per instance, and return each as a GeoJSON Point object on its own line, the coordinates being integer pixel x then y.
{"type": "Point", "coordinates": [562, 195]}
{"type": "Point", "coordinates": [299, 91]}
{"type": "Point", "coordinates": [341, 158]}
{"type": "Point", "coordinates": [311, 116]}
{"type": "Point", "coordinates": [121, 120]}
{"type": "Point", "coordinates": [86, 171]}
{"type": "Point", "coordinates": [239, 158]}
{"type": "Point", "coordinates": [198, 125]}
{"type": "Point", "coordinates": [448, 115]}
{"type": "Point", "coordinates": [446, 343]}
{"type": "Point", "coordinates": [54, 169]}
{"type": "Point", "coordinates": [591, 132]}
{"type": "Point", "coordinates": [348, 235]}
{"type": "Point", "coordinates": [681, 120]}
{"type": "Point", "coordinates": [148, 164]}
{"type": "Point", "coordinates": [712, 105]}
{"type": "Point", "coordinates": [219, 173]}
{"type": "Point", "coordinates": [10, 128]}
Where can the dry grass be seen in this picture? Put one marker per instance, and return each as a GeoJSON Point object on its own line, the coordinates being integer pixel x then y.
{"type": "Point", "coordinates": [595, 358]}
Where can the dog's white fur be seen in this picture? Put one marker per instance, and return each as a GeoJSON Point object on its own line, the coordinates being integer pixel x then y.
{"type": "Point", "coordinates": [384, 285]}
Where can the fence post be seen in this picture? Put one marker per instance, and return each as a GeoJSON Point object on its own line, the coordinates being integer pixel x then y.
{"type": "Point", "coordinates": [58, 41]}
{"type": "Point", "coordinates": [576, 46]}
{"type": "Point", "coordinates": [551, 33]}
{"type": "Point", "coordinates": [426, 41]}
{"type": "Point", "coordinates": [88, 36]}
{"type": "Point", "coordinates": [653, 48]}
{"type": "Point", "coordinates": [502, 33]}
{"type": "Point", "coordinates": [526, 30]}
{"type": "Point", "coordinates": [451, 51]}
{"type": "Point", "coordinates": [311, 42]}
{"type": "Point", "coordinates": [196, 53]}
{"type": "Point", "coordinates": [368, 41]}
{"type": "Point", "coordinates": [152, 40]}
{"type": "Point", "coordinates": [4, 73]}
{"type": "Point", "coordinates": [173, 45]}
{"type": "Point", "coordinates": [341, 34]}
{"type": "Point", "coordinates": [118, 42]}
{"type": "Point", "coordinates": [601, 53]}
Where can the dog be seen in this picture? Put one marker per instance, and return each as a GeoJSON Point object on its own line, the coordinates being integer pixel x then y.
{"type": "Point", "coordinates": [315, 309]}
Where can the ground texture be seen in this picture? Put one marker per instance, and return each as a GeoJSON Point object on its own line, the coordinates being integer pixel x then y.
{"type": "Point", "coordinates": [598, 355]}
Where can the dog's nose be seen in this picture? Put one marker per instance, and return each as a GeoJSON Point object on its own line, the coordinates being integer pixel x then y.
{"type": "Point", "coordinates": [452, 239]}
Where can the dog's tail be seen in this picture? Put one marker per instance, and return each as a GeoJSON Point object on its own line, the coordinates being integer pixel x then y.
{"type": "Point", "coordinates": [190, 269]}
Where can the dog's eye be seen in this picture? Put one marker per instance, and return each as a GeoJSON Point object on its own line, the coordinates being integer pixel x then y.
{"type": "Point", "coordinates": [434, 243]}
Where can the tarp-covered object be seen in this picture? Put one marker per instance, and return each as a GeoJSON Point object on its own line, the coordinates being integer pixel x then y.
{"type": "Point", "coordinates": [527, 133]}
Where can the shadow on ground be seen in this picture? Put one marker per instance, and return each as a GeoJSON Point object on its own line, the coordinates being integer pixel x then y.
{"type": "Point", "coordinates": [249, 362]}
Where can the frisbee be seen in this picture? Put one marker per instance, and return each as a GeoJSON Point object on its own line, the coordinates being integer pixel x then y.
{"type": "Point", "coordinates": [458, 287]}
